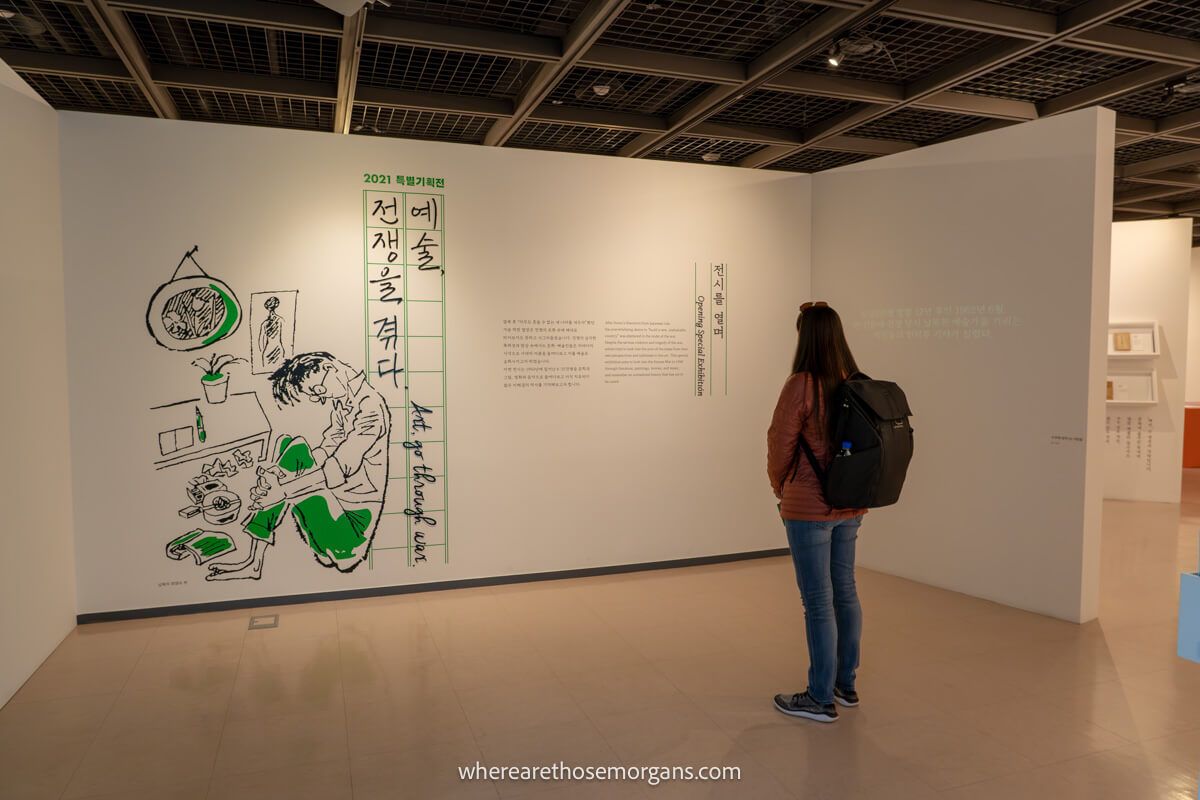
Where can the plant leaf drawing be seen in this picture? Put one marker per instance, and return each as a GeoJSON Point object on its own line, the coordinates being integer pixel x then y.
{"type": "Point", "coordinates": [214, 366]}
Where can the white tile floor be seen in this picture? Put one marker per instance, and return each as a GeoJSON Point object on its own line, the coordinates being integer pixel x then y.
{"type": "Point", "coordinates": [385, 698]}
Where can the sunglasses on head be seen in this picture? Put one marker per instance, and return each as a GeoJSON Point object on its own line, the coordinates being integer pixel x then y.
{"type": "Point", "coordinates": [806, 306]}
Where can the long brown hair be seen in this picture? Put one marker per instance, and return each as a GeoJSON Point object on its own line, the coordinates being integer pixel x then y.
{"type": "Point", "coordinates": [822, 352]}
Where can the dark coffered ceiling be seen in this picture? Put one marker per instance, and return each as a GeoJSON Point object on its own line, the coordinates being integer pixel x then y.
{"type": "Point", "coordinates": [744, 82]}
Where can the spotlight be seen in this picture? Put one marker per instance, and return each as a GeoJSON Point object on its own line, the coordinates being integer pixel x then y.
{"type": "Point", "coordinates": [1188, 85]}
{"type": "Point", "coordinates": [711, 157]}
{"type": "Point", "coordinates": [854, 46]}
{"type": "Point", "coordinates": [601, 89]}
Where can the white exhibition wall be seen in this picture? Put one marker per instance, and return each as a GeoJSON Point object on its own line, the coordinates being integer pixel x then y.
{"type": "Point", "coordinates": [37, 578]}
{"type": "Point", "coordinates": [539, 249]}
{"type": "Point", "coordinates": [974, 273]}
{"type": "Point", "coordinates": [1192, 389]}
{"type": "Point", "coordinates": [592, 349]}
{"type": "Point", "coordinates": [1143, 444]}
{"type": "Point", "coordinates": [11, 80]}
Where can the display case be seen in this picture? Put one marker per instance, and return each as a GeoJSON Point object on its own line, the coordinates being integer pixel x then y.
{"type": "Point", "coordinates": [1133, 340]}
{"type": "Point", "coordinates": [1132, 388]}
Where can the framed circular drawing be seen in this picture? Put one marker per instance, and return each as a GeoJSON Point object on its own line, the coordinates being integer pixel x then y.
{"type": "Point", "coordinates": [192, 312]}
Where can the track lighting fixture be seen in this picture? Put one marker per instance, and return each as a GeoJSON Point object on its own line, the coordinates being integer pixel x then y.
{"type": "Point", "coordinates": [1188, 85]}
{"type": "Point", "coordinates": [849, 46]}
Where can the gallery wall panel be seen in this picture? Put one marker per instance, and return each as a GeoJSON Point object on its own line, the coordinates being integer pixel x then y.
{"type": "Point", "coordinates": [1147, 344]}
{"type": "Point", "coordinates": [37, 580]}
{"type": "Point", "coordinates": [591, 350]}
{"type": "Point", "coordinates": [975, 274]}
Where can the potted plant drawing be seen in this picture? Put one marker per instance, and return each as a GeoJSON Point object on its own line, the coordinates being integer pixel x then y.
{"type": "Point", "coordinates": [215, 379]}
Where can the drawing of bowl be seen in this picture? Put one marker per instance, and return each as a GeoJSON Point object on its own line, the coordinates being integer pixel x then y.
{"type": "Point", "coordinates": [221, 507]}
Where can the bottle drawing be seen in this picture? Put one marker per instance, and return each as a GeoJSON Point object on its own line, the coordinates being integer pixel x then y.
{"type": "Point", "coordinates": [200, 434]}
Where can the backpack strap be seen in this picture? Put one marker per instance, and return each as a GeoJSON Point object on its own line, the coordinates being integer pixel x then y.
{"type": "Point", "coordinates": [802, 444]}
{"type": "Point", "coordinates": [840, 433]}
{"type": "Point", "coordinates": [818, 470]}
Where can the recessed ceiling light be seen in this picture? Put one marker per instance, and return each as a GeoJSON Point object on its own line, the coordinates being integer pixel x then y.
{"type": "Point", "coordinates": [24, 24]}
{"type": "Point", "coordinates": [710, 157]}
{"type": "Point", "coordinates": [556, 102]}
{"type": "Point", "coordinates": [603, 88]}
{"type": "Point", "coordinates": [656, 7]}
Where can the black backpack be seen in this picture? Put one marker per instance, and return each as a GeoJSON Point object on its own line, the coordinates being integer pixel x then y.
{"type": "Point", "coordinates": [872, 442]}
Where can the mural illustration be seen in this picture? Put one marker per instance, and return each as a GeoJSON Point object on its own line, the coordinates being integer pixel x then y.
{"type": "Point", "coordinates": [200, 545]}
{"type": "Point", "coordinates": [311, 469]}
{"type": "Point", "coordinates": [272, 329]}
{"type": "Point", "coordinates": [195, 429]}
{"type": "Point", "coordinates": [193, 311]}
{"type": "Point", "coordinates": [215, 382]}
{"type": "Point", "coordinates": [332, 493]}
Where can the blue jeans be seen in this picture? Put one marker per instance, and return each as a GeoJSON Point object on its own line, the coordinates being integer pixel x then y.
{"type": "Point", "coordinates": [823, 553]}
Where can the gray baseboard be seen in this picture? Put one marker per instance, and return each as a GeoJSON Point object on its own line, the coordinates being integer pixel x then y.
{"type": "Point", "coordinates": [381, 591]}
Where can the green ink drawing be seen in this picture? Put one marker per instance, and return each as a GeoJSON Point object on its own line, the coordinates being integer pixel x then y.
{"type": "Point", "coordinates": [294, 455]}
{"type": "Point", "coordinates": [192, 311]}
{"type": "Point", "coordinates": [212, 545]}
{"type": "Point", "coordinates": [264, 522]}
{"type": "Point", "coordinates": [338, 538]}
{"type": "Point", "coordinates": [231, 318]}
{"type": "Point", "coordinates": [333, 493]}
{"type": "Point", "coordinates": [200, 545]}
{"type": "Point", "coordinates": [200, 434]}
{"type": "Point", "coordinates": [214, 380]}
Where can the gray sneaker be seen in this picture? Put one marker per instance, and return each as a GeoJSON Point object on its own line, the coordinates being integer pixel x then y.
{"type": "Point", "coordinates": [802, 705]}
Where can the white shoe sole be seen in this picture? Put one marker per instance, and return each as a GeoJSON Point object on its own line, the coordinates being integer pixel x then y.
{"type": "Point", "coordinates": [815, 717]}
{"type": "Point", "coordinates": [844, 703]}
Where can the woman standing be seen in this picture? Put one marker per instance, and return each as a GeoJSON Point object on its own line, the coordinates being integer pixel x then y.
{"type": "Point", "coordinates": [270, 336]}
{"type": "Point", "coordinates": [821, 538]}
